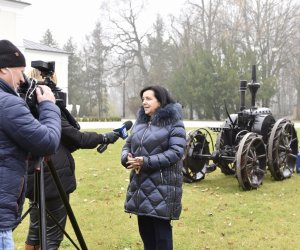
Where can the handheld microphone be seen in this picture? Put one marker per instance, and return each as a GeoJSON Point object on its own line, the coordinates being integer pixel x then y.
{"type": "Point", "coordinates": [122, 132]}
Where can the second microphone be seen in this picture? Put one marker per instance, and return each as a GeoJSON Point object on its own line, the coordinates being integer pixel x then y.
{"type": "Point", "coordinates": [111, 137]}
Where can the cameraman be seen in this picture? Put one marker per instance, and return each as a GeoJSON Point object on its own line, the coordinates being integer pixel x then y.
{"type": "Point", "coordinates": [20, 133]}
{"type": "Point", "coordinates": [71, 139]}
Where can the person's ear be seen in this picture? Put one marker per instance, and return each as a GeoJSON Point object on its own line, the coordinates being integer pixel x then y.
{"type": "Point", "coordinates": [4, 69]}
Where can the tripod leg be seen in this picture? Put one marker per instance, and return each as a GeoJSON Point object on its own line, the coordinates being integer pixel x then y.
{"type": "Point", "coordinates": [61, 228]}
{"type": "Point", "coordinates": [42, 210]}
{"type": "Point", "coordinates": [67, 206]}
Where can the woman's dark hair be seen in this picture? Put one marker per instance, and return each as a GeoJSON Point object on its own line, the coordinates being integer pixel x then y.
{"type": "Point", "coordinates": [160, 93]}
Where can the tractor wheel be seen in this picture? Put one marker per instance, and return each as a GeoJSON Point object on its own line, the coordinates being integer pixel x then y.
{"type": "Point", "coordinates": [251, 161]}
{"type": "Point", "coordinates": [197, 152]}
{"type": "Point", "coordinates": [282, 149]}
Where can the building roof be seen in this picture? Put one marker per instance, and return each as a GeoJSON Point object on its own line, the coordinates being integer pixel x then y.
{"type": "Point", "coordinates": [30, 45]}
{"type": "Point", "coordinates": [18, 2]}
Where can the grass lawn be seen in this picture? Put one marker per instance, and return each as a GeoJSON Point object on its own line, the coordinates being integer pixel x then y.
{"type": "Point", "coordinates": [216, 214]}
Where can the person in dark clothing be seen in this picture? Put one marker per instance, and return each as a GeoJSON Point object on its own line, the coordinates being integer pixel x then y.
{"type": "Point", "coordinates": [153, 152]}
{"type": "Point", "coordinates": [71, 139]}
{"type": "Point", "coordinates": [20, 134]}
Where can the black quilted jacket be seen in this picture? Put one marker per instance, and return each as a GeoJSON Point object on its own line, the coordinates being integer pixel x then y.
{"type": "Point", "coordinates": [71, 139]}
{"type": "Point", "coordinates": [157, 190]}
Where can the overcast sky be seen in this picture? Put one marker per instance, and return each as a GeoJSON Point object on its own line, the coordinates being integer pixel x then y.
{"type": "Point", "coordinates": [77, 18]}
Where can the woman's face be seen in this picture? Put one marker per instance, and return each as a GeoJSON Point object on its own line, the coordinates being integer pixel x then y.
{"type": "Point", "coordinates": [150, 103]}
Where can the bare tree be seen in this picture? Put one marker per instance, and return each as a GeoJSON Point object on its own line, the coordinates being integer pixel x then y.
{"type": "Point", "coordinates": [294, 66]}
{"type": "Point", "coordinates": [128, 43]}
{"type": "Point", "coordinates": [259, 32]}
{"type": "Point", "coordinates": [266, 30]}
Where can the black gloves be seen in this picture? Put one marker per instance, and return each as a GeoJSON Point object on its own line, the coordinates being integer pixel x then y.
{"type": "Point", "coordinates": [110, 137]}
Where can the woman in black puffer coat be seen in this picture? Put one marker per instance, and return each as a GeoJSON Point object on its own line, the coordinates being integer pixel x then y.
{"type": "Point", "coordinates": [153, 152]}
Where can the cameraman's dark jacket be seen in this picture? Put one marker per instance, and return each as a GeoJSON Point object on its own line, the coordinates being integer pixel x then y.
{"type": "Point", "coordinates": [157, 190]}
{"type": "Point", "coordinates": [21, 133]}
{"type": "Point", "coordinates": [71, 139]}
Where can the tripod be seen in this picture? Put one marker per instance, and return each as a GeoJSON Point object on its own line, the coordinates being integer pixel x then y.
{"type": "Point", "coordinates": [39, 203]}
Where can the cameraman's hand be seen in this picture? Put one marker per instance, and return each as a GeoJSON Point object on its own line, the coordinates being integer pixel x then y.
{"type": "Point", "coordinates": [44, 93]}
{"type": "Point", "coordinates": [110, 137]}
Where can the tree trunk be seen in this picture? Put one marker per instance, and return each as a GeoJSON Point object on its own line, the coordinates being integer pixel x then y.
{"type": "Point", "coordinates": [298, 105]}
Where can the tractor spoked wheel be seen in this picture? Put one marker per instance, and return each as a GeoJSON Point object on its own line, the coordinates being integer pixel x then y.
{"type": "Point", "coordinates": [196, 155]}
{"type": "Point", "coordinates": [251, 161]}
{"type": "Point", "coordinates": [282, 149]}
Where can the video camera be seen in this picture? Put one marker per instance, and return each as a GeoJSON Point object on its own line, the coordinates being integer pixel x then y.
{"type": "Point", "coordinates": [28, 88]}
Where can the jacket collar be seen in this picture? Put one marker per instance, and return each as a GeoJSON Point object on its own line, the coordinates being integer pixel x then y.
{"type": "Point", "coordinates": [6, 88]}
{"type": "Point", "coordinates": [167, 115]}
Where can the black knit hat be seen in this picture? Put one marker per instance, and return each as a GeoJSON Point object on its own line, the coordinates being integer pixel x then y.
{"type": "Point", "coordinates": [10, 55]}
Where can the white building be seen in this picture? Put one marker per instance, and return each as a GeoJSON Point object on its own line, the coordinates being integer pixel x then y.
{"type": "Point", "coordinates": [11, 20]}
{"type": "Point", "coordinates": [11, 17]}
{"type": "Point", "coordinates": [39, 52]}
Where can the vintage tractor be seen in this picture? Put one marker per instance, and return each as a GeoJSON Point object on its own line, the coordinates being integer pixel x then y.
{"type": "Point", "coordinates": [247, 143]}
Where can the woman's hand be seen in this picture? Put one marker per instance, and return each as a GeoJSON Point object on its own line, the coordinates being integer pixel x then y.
{"type": "Point", "coordinates": [134, 163]}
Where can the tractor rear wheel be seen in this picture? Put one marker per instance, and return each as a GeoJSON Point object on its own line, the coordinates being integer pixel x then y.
{"type": "Point", "coordinates": [196, 155]}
